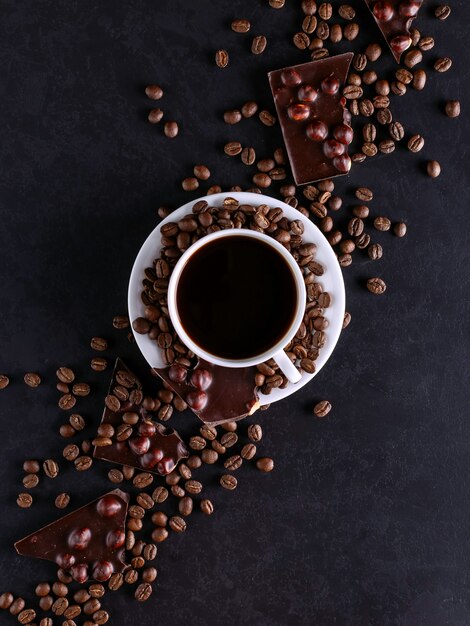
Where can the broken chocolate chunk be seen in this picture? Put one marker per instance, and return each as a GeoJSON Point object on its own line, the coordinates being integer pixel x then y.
{"type": "Point", "coordinates": [313, 118]}
{"type": "Point", "coordinates": [87, 543]}
{"type": "Point", "coordinates": [137, 440]}
{"type": "Point", "coordinates": [394, 18]}
{"type": "Point", "coordinates": [215, 394]}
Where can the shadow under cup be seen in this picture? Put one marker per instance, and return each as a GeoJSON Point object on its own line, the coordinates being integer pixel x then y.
{"type": "Point", "coordinates": [237, 297]}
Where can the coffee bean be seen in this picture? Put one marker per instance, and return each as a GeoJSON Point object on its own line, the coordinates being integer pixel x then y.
{"type": "Point", "coordinates": [81, 389]}
{"type": "Point", "coordinates": [376, 286]}
{"type": "Point", "coordinates": [154, 92]}
{"type": "Point", "coordinates": [155, 116]}
{"type": "Point", "coordinates": [177, 524]}
{"type": "Point", "coordinates": [60, 589]}
{"type": "Point", "coordinates": [170, 129]}
{"type": "Point", "coordinates": [112, 403]}
{"type": "Point", "coordinates": [185, 506]}
{"type": "Point", "coordinates": [193, 487]}
{"type": "Point", "coordinates": [364, 194]}
{"type": "Point", "coordinates": [30, 481]}
{"type": "Point", "coordinates": [452, 108]}
{"type": "Point", "coordinates": [26, 616]}
{"type": "Point", "coordinates": [190, 184]}
{"type": "Point", "coordinates": [86, 446]}
{"type": "Point", "coordinates": [83, 463]}
{"type": "Point", "coordinates": [229, 439]}
{"type": "Point", "coordinates": [248, 451]}
{"type": "Point", "coordinates": [160, 519]}
{"type": "Point", "coordinates": [65, 375]}
{"type": "Point", "coordinates": [209, 456]}
{"type": "Point", "coordinates": [442, 65]}
{"type": "Point", "coordinates": [351, 31]}
{"type": "Point", "coordinates": [96, 590]}
{"type": "Point", "coordinates": [240, 26]}
{"type": "Point", "coordinates": [143, 592]}
{"type": "Point", "coordinates": [32, 380]}
{"type": "Point", "coordinates": [426, 43]}
{"type": "Point", "coordinates": [433, 169]}
{"type": "Point", "coordinates": [233, 462]}
{"type": "Point", "coordinates": [99, 344]}
{"type": "Point", "coordinates": [221, 58]}
{"type": "Point", "coordinates": [138, 562]}
{"type": "Point", "coordinates": [91, 606]}
{"type": "Point", "coordinates": [265, 464]}
{"type": "Point", "coordinates": [255, 432]}
{"type": "Point", "coordinates": [50, 467]}
{"type": "Point", "coordinates": [4, 381]}
{"type": "Point", "coordinates": [346, 12]}
{"type": "Point", "coordinates": [396, 131]}
{"type": "Point", "coordinates": [24, 500]}
{"type": "Point", "coordinates": [375, 251]}
{"type": "Point", "coordinates": [206, 507]}
{"type": "Point", "coordinates": [277, 4]}
{"type": "Point", "coordinates": [321, 409]}
{"type": "Point", "coordinates": [62, 500]}
{"type": "Point", "coordinates": [46, 603]}
{"type": "Point", "coordinates": [387, 146]}
{"type": "Point", "coordinates": [301, 40]}
{"type": "Point", "coordinates": [70, 452]}
{"type": "Point", "coordinates": [197, 443]}
{"type": "Point", "coordinates": [415, 143]}
{"type": "Point", "coordinates": [149, 574]}
{"type": "Point", "coordinates": [63, 388]}
{"type": "Point", "coordinates": [442, 12]}
{"type": "Point", "coordinates": [6, 600]}
{"type": "Point", "coordinates": [258, 45]}
{"type": "Point", "coordinates": [228, 481]}
{"type": "Point", "coordinates": [399, 229]}
{"type": "Point", "coordinates": [382, 223]}
{"type": "Point", "coordinates": [194, 461]}
{"type": "Point", "coordinates": [232, 117]}
{"type": "Point", "coordinates": [160, 494]}
{"type": "Point", "coordinates": [267, 118]}
{"type": "Point", "coordinates": [208, 432]}
{"type": "Point", "coordinates": [142, 480]}
{"type": "Point", "coordinates": [233, 148]}
{"type": "Point", "coordinates": [98, 364]}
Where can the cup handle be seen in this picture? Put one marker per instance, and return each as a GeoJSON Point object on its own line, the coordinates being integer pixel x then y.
{"type": "Point", "coordinates": [287, 366]}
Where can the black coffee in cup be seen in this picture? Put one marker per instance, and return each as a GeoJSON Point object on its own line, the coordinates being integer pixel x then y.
{"type": "Point", "coordinates": [236, 297]}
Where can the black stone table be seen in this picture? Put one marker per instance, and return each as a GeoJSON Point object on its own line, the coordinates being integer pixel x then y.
{"type": "Point", "coordinates": [365, 519]}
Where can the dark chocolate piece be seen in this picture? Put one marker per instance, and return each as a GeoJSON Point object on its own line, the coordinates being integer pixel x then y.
{"type": "Point", "coordinates": [150, 446]}
{"type": "Point", "coordinates": [394, 18]}
{"type": "Point", "coordinates": [87, 543]}
{"type": "Point", "coordinates": [314, 121]}
{"type": "Point", "coordinates": [215, 394]}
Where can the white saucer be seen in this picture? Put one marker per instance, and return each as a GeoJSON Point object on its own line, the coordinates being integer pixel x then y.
{"type": "Point", "coordinates": [331, 281]}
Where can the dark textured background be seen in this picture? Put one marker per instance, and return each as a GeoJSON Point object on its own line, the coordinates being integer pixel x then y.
{"type": "Point", "coordinates": [365, 520]}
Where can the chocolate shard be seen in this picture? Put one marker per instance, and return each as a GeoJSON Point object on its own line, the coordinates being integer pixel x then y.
{"type": "Point", "coordinates": [87, 543]}
{"type": "Point", "coordinates": [314, 121]}
{"type": "Point", "coordinates": [394, 18]}
{"type": "Point", "coordinates": [215, 394]}
{"type": "Point", "coordinates": [138, 440]}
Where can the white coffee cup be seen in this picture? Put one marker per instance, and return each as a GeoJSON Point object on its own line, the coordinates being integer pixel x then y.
{"type": "Point", "coordinates": [275, 352]}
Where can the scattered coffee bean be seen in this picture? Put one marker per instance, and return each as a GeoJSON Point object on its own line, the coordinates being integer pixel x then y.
{"type": "Point", "coordinates": [155, 116]}
{"type": "Point", "coordinates": [248, 451]}
{"type": "Point", "coordinates": [277, 4]}
{"type": "Point", "coordinates": [99, 344]}
{"type": "Point", "coordinates": [376, 286]}
{"type": "Point", "coordinates": [442, 12]}
{"type": "Point", "coordinates": [248, 156]}
{"type": "Point", "coordinates": [240, 26]}
{"type": "Point", "coordinates": [177, 524]}
{"type": "Point", "coordinates": [190, 184]}
{"type": "Point", "coordinates": [415, 143]}
{"type": "Point", "coordinates": [258, 45]}
{"type": "Point", "coordinates": [185, 506]}
{"type": "Point", "coordinates": [30, 481]}
{"type": "Point", "coordinates": [375, 251]}
{"type": "Point", "coordinates": [209, 456]}
{"type": "Point", "coordinates": [382, 223]}
{"type": "Point", "coordinates": [399, 229]}
{"type": "Point", "coordinates": [154, 92]}
{"type": "Point", "coordinates": [249, 109]}
{"type": "Point", "coordinates": [228, 481]}
{"type": "Point", "coordinates": [24, 500]}
{"type": "Point", "coordinates": [31, 467]}
{"type": "Point", "coordinates": [364, 194]}
{"type": "Point", "coordinates": [62, 501]}
{"type": "Point", "coordinates": [255, 432]}
{"type": "Point", "coordinates": [83, 463]}
{"type": "Point", "coordinates": [67, 402]}
{"type": "Point", "coordinates": [202, 172]}
{"type": "Point", "coordinates": [232, 117]}
{"type": "Point", "coordinates": [143, 592]}
{"type": "Point", "coordinates": [142, 480]}
{"type": "Point", "coordinates": [160, 494]}
{"type": "Point", "coordinates": [50, 467]}
{"type": "Point", "coordinates": [6, 600]}
{"type": "Point", "coordinates": [265, 464]}
{"type": "Point", "coordinates": [96, 590]}
{"type": "Point", "coordinates": [65, 375]}
{"type": "Point", "coordinates": [433, 169]}
{"type": "Point", "coordinates": [32, 380]}
{"type": "Point", "coordinates": [81, 389]}
{"type": "Point", "coordinates": [170, 129]}
{"type": "Point", "coordinates": [4, 381]}
{"type": "Point", "coordinates": [443, 65]}
{"type": "Point", "coordinates": [452, 108]}
{"type": "Point", "coordinates": [233, 148]}
{"type": "Point", "coordinates": [346, 319]}
{"type": "Point", "coordinates": [98, 364]}
{"type": "Point", "coordinates": [233, 462]}
{"type": "Point", "coordinates": [267, 118]}
{"type": "Point", "coordinates": [321, 409]}
{"type": "Point", "coordinates": [70, 452]}
{"type": "Point", "coordinates": [221, 58]}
